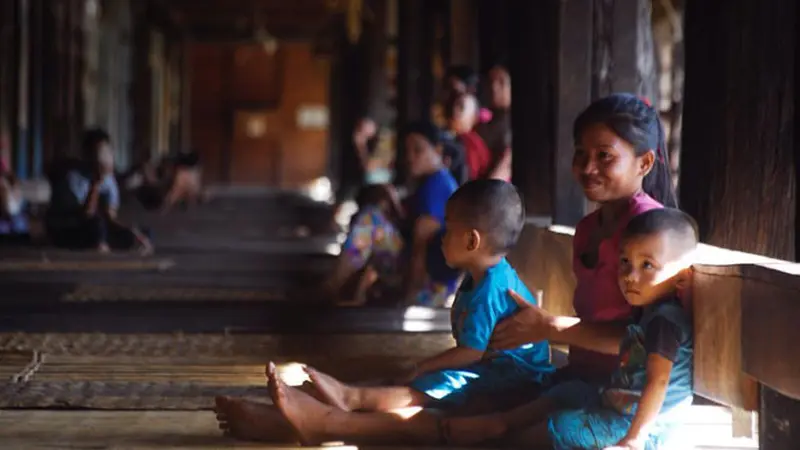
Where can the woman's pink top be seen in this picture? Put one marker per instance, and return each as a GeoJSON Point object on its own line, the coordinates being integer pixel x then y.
{"type": "Point", "coordinates": [597, 294]}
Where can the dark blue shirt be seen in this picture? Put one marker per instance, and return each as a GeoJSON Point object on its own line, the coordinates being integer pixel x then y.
{"type": "Point", "coordinates": [664, 329]}
{"type": "Point", "coordinates": [431, 200]}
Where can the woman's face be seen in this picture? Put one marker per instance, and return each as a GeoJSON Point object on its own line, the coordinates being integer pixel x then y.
{"type": "Point", "coordinates": [500, 86]}
{"type": "Point", "coordinates": [606, 166]}
{"type": "Point", "coordinates": [420, 153]}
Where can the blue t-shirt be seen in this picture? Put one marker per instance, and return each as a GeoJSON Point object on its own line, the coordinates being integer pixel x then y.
{"type": "Point", "coordinates": [664, 328]}
{"type": "Point", "coordinates": [79, 185]}
{"type": "Point", "coordinates": [431, 200]}
{"type": "Point", "coordinates": [477, 309]}
{"type": "Point", "coordinates": [433, 193]}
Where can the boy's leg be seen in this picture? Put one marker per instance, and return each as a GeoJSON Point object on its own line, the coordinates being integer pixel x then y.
{"type": "Point", "coordinates": [252, 421]}
{"type": "Point", "coordinates": [351, 398]}
{"type": "Point", "coordinates": [316, 423]}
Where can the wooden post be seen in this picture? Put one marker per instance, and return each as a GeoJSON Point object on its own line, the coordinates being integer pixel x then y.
{"type": "Point", "coordinates": [414, 71]}
{"type": "Point", "coordinates": [186, 93]}
{"type": "Point", "coordinates": [463, 32]}
{"type": "Point", "coordinates": [22, 85]}
{"type": "Point", "coordinates": [624, 56]}
{"type": "Point", "coordinates": [533, 61]}
{"type": "Point", "coordinates": [738, 173]}
{"type": "Point", "coordinates": [493, 33]}
{"type": "Point", "coordinates": [573, 95]}
{"type": "Point", "coordinates": [37, 87]}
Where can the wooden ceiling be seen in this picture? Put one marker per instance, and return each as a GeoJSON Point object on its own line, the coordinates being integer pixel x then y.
{"type": "Point", "coordinates": [239, 19]}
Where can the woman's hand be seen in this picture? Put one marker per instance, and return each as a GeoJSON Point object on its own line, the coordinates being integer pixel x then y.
{"type": "Point", "coordinates": [530, 324]}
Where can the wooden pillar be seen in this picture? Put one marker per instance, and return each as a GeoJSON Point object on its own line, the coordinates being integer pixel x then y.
{"type": "Point", "coordinates": [375, 40]}
{"type": "Point", "coordinates": [142, 84]}
{"type": "Point", "coordinates": [464, 32]}
{"type": "Point", "coordinates": [624, 56]}
{"type": "Point", "coordinates": [414, 70]}
{"type": "Point", "coordinates": [574, 93]}
{"type": "Point", "coordinates": [533, 33]}
{"type": "Point", "coordinates": [37, 87]}
{"type": "Point", "coordinates": [493, 36]}
{"type": "Point", "coordinates": [21, 156]}
{"type": "Point", "coordinates": [186, 94]}
{"type": "Point", "coordinates": [738, 172]}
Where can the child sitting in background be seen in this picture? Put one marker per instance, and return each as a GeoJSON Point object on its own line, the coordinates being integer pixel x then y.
{"type": "Point", "coordinates": [368, 268]}
{"type": "Point", "coordinates": [483, 221]}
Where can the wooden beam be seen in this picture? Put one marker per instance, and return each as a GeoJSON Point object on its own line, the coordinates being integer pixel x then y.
{"type": "Point", "coordinates": [493, 33]}
{"type": "Point", "coordinates": [533, 28]}
{"type": "Point", "coordinates": [414, 70]}
{"type": "Point", "coordinates": [573, 95]}
{"type": "Point", "coordinates": [624, 56]}
{"type": "Point", "coordinates": [464, 32]}
{"type": "Point", "coordinates": [738, 173]}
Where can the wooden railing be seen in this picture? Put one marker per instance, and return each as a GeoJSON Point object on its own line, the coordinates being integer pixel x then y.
{"type": "Point", "coordinates": [745, 309]}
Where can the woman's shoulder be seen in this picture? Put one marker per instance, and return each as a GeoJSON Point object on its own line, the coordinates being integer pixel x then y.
{"type": "Point", "coordinates": [641, 203]}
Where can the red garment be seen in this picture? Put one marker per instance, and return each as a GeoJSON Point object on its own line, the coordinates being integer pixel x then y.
{"type": "Point", "coordinates": [597, 295]}
{"type": "Point", "coordinates": [477, 155]}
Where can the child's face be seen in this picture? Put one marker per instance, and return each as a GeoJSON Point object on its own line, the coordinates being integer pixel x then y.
{"type": "Point", "coordinates": [650, 268]}
{"type": "Point", "coordinates": [460, 242]}
{"type": "Point", "coordinates": [606, 166]}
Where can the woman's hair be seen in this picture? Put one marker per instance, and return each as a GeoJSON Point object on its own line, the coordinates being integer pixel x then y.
{"type": "Point", "coordinates": [372, 195]}
{"type": "Point", "coordinates": [634, 120]}
{"type": "Point", "coordinates": [426, 129]}
{"type": "Point", "coordinates": [465, 74]}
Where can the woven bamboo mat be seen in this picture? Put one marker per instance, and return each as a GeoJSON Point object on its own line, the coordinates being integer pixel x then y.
{"type": "Point", "coordinates": [153, 383]}
{"type": "Point", "coordinates": [254, 346]}
{"type": "Point", "coordinates": [159, 265]}
{"type": "Point", "coordinates": [89, 293]}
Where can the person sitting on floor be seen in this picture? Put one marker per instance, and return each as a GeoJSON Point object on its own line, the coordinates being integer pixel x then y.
{"type": "Point", "coordinates": [426, 209]}
{"type": "Point", "coordinates": [85, 201]}
{"type": "Point", "coordinates": [13, 222]}
{"type": "Point", "coordinates": [484, 220]}
{"type": "Point", "coordinates": [648, 391]}
{"type": "Point", "coordinates": [177, 179]}
{"type": "Point", "coordinates": [368, 268]}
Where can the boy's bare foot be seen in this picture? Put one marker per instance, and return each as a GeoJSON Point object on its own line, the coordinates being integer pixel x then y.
{"type": "Point", "coordinates": [333, 392]}
{"type": "Point", "coordinates": [307, 416]}
{"type": "Point", "coordinates": [252, 421]}
{"type": "Point", "coordinates": [103, 248]}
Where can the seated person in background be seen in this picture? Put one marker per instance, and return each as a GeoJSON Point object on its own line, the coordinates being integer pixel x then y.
{"type": "Point", "coordinates": [461, 112]}
{"type": "Point", "coordinates": [368, 269]}
{"type": "Point", "coordinates": [646, 393]}
{"type": "Point", "coordinates": [185, 182]}
{"type": "Point", "coordinates": [13, 222]}
{"type": "Point", "coordinates": [454, 159]}
{"type": "Point", "coordinates": [174, 180]}
{"type": "Point", "coordinates": [484, 220]}
{"type": "Point", "coordinates": [85, 201]}
{"type": "Point", "coordinates": [435, 184]}
{"type": "Point", "coordinates": [496, 133]}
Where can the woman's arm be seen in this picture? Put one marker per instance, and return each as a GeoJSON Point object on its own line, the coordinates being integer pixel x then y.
{"type": "Point", "coordinates": [534, 324]}
{"type": "Point", "coordinates": [501, 167]}
{"type": "Point", "coordinates": [424, 229]}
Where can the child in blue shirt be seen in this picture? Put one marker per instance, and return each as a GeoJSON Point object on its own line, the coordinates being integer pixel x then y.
{"type": "Point", "coordinates": [653, 383]}
{"type": "Point", "coordinates": [483, 221]}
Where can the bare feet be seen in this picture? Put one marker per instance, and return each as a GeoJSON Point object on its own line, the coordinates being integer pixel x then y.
{"type": "Point", "coordinates": [103, 248]}
{"type": "Point", "coordinates": [252, 421]}
{"type": "Point", "coordinates": [332, 391]}
{"type": "Point", "coordinates": [307, 416]}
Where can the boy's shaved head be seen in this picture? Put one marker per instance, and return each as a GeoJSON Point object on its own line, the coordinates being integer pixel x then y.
{"type": "Point", "coordinates": [680, 226]}
{"type": "Point", "coordinates": [492, 207]}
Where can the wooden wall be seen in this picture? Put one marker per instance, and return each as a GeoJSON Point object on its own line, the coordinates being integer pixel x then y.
{"type": "Point", "coordinates": [244, 113]}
